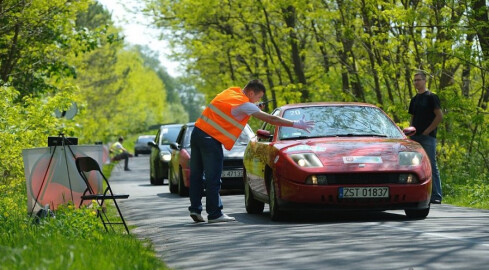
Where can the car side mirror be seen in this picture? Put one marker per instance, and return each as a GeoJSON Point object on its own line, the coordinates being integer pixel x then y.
{"type": "Point", "coordinates": [409, 131]}
{"type": "Point", "coordinates": [152, 144]}
{"type": "Point", "coordinates": [263, 134]}
{"type": "Point", "coordinates": [174, 146]}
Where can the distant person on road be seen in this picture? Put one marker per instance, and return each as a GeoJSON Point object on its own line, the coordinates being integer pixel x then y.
{"type": "Point", "coordinates": [220, 125]}
{"type": "Point", "coordinates": [426, 115]}
{"type": "Point", "coordinates": [120, 153]}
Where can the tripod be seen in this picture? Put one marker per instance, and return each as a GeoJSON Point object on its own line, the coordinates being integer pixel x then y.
{"type": "Point", "coordinates": [64, 143]}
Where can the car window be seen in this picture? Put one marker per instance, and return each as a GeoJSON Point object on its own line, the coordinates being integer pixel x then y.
{"type": "Point", "coordinates": [186, 139]}
{"type": "Point", "coordinates": [169, 134]}
{"type": "Point", "coordinates": [181, 134]}
{"type": "Point", "coordinates": [341, 121]}
{"type": "Point", "coordinates": [245, 136]}
{"type": "Point", "coordinates": [269, 127]}
{"type": "Point", "coordinates": [145, 139]}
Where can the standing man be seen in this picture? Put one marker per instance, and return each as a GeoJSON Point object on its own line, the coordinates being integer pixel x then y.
{"type": "Point", "coordinates": [220, 125]}
{"type": "Point", "coordinates": [120, 152]}
{"type": "Point", "coordinates": [426, 115]}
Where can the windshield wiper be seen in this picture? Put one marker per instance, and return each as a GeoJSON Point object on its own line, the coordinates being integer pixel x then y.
{"type": "Point", "coordinates": [303, 137]}
{"type": "Point", "coordinates": [361, 135]}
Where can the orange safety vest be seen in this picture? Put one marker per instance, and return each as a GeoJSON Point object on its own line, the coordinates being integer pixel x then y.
{"type": "Point", "coordinates": [217, 120]}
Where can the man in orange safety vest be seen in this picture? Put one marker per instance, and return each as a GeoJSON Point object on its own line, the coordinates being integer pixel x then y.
{"type": "Point", "coordinates": [220, 124]}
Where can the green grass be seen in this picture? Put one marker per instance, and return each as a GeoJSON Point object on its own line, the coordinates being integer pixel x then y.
{"type": "Point", "coordinates": [465, 184]}
{"type": "Point", "coordinates": [73, 239]}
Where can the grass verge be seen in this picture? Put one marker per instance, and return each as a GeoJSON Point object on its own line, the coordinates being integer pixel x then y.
{"type": "Point", "coordinates": [73, 239]}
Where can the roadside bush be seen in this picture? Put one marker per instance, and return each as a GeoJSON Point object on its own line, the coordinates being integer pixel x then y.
{"type": "Point", "coordinates": [74, 238]}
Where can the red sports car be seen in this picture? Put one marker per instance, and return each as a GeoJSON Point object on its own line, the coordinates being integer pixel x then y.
{"type": "Point", "coordinates": [354, 158]}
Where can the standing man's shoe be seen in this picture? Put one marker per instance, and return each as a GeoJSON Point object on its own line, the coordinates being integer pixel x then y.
{"type": "Point", "coordinates": [197, 217]}
{"type": "Point", "coordinates": [223, 218]}
{"type": "Point", "coordinates": [435, 201]}
{"type": "Point", "coordinates": [127, 169]}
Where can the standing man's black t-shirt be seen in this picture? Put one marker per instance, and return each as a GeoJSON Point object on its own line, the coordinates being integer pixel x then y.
{"type": "Point", "coordinates": [422, 107]}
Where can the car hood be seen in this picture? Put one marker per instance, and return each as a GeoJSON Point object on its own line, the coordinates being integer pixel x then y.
{"type": "Point", "coordinates": [236, 152]}
{"type": "Point", "coordinates": [165, 147]}
{"type": "Point", "coordinates": [344, 152]}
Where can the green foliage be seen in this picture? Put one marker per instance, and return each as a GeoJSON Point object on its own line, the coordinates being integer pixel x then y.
{"type": "Point", "coordinates": [53, 53]}
{"type": "Point", "coordinates": [27, 125]}
{"type": "Point", "coordinates": [365, 51]}
{"type": "Point", "coordinates": [35, 39]}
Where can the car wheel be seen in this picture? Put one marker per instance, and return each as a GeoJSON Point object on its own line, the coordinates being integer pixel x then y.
{"type": "Point", "coordinates": [173, 187]}
{"type": "Point", "coordinates": [135, 153]}
{"type": "Point", "coordinates": [157, 180]}
{"type": "Point", "coordinates": [182, 189]}
{"type": "Point", "coordinates": [275, 213]}
{"type": "Point", "coordinates": [417, 213]}
{"type": "Point", "coordinates": [252, 205]}
{"type": "Point", "coordinates": [152, 180]}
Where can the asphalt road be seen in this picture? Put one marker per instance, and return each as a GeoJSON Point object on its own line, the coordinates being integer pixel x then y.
{"type": "Point", "coordinates": [450, 238]}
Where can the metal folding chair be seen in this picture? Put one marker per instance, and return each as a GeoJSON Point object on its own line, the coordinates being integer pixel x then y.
{"type": "Point", "coordinates": [85, 165]}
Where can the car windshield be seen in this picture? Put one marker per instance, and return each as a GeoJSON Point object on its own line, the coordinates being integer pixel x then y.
{"type": "Point", "coordinates": [340, 121]}
{"type": "Point", "coordinates": [169, 134]}
{"type": "Point", "coordinates": [145, 140]}
{"type": "Point", "coordinates": [245, 136]}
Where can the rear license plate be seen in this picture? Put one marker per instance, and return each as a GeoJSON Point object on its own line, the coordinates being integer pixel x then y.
{"type": "Point", "coordinates": [363, 192]}
{"type": "Point", "coordinates": [233, 173]}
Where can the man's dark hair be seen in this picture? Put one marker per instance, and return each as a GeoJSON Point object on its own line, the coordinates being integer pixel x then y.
{"type": "Point", "coordinates": [255, 85]}
{"type": "Point", "coordinates": [121, 139]}
{"type": "Point", "coordinates": [422, 74]}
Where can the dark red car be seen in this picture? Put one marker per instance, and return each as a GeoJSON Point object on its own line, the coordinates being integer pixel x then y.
{"type": "Point", "coordinates": [179, 169]}
{"type": "Point", "coordinates": [355, 158]}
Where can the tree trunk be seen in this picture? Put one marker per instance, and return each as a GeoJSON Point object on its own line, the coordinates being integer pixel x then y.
{"type": "Point", "coordinates": [290, 21]}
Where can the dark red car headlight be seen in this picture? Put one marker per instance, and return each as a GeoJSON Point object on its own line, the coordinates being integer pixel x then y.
{"type": "Point", "coordinates": [410, 158]}
{"type": "Point", "coordinates": [306, 160]}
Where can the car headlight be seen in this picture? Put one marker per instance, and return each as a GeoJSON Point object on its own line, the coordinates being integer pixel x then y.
{"type": "Point", "coordinates": [165, 156]}
{"type": "Point", "coordinates": [317, 180]}
{"type": "Point", "coordinates": [408, 178]}
{"type": "Point", "coordinates": [410, 158]}
{"type": "Point", "coordinates": [309, 160]}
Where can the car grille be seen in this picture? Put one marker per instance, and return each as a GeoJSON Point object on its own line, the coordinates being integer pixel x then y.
{"type": "Point", "coordinates": [233, 163]}
{"type": "Point", "coordinates": [362, 178]}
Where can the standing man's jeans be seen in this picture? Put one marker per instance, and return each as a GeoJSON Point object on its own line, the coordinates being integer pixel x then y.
{"type": "Point", "coordinates": [206, 157]}
{"type": "Point", "coordinates": [429, 145]}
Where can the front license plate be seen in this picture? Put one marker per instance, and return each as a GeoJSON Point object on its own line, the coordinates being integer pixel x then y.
{"type": "Point", "coordinates": [233, 173]}
{"type": "Point", "coordinates": [364, 192]}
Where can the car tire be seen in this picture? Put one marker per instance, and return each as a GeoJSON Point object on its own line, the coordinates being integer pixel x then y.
{"type": "Point", "coordinates": [173, 187]}
{"type": "Point", "coordinates": [135, 153]}
{"type": "Point", "coordinates": [252, 205]}
{"type": "Point", "coordinates": [275, 213]}
{"type": "Point", "coordinates": [152, 180]}
{"type": "Point", "coordinates": [182, 189]}
{"type": "Point", "coordinates": [158, 181]}
{"type": "Point", "coordinates": [417, 213]}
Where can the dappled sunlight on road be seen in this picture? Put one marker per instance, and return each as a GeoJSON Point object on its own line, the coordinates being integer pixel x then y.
{"type": "Point", "coordinates": [450, 238]}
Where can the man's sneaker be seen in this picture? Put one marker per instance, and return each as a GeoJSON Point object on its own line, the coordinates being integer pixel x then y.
{"type": "Point", "coordinates": [127, 169]}
{"type": "Point", "coordinates": [223, 218]}
{"type": "Point", "coordinates": [197, 217]}
{"type": "Point", "coordinates": [435, 201]}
